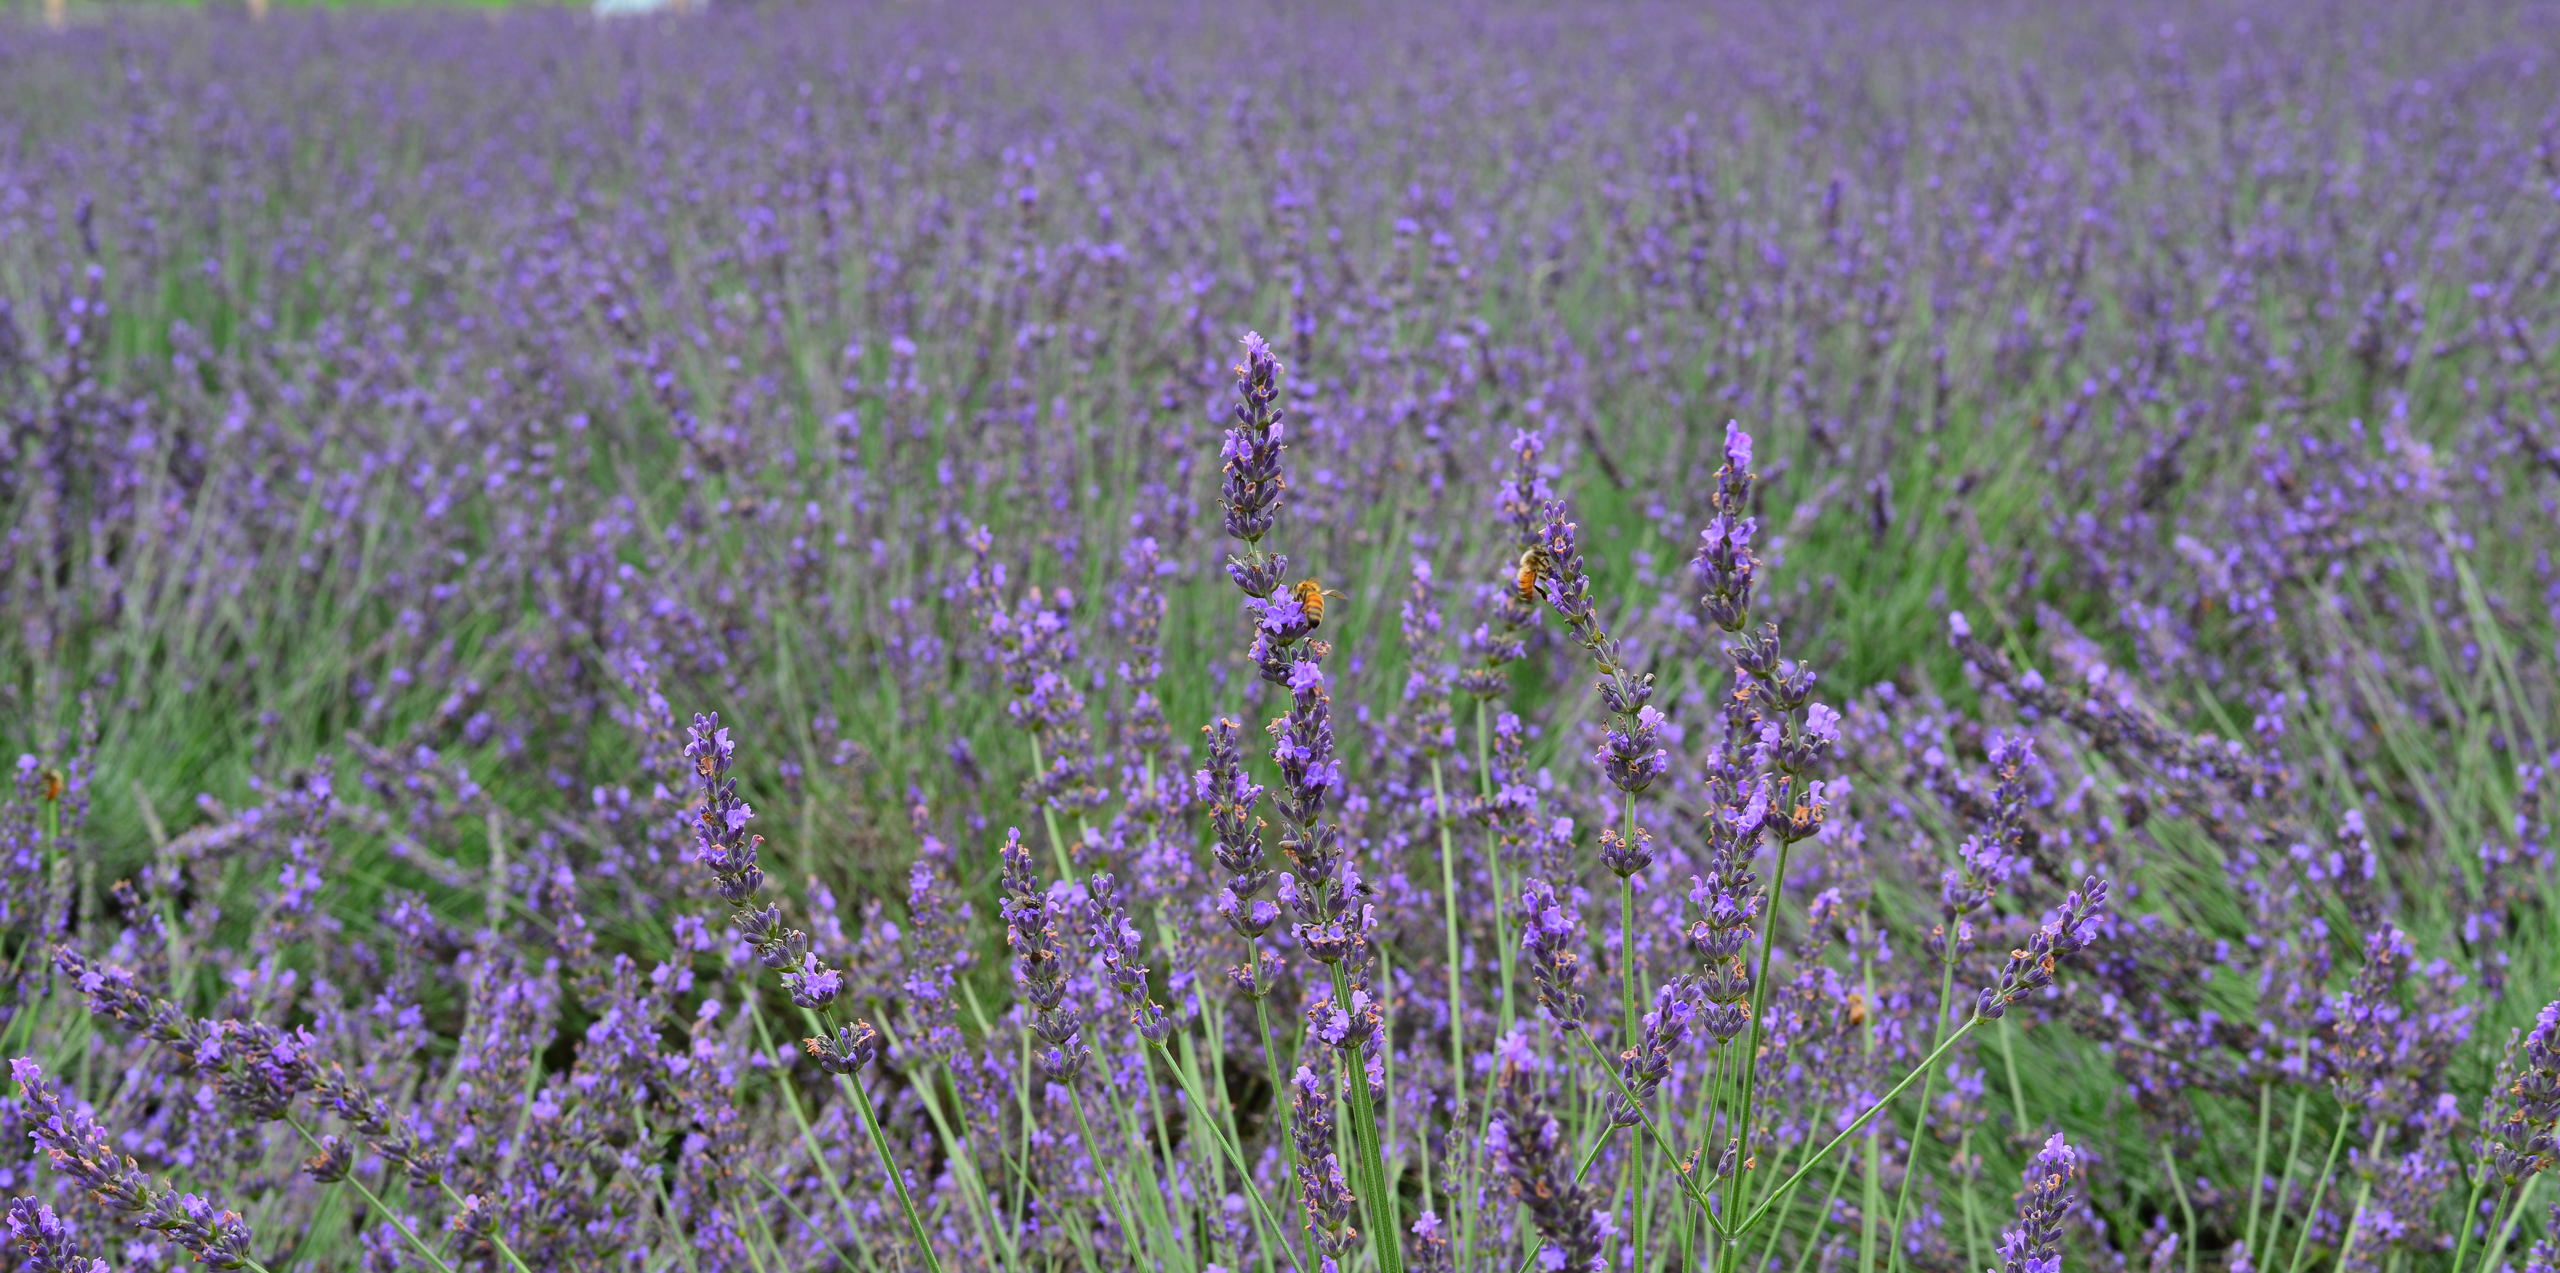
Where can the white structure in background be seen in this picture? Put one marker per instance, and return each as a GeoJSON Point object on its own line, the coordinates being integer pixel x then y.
{"type": "Point", "coordinates": [617, 8]}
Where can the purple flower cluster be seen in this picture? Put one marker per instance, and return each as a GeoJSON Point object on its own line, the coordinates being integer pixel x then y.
{"type": "Point", "coordinates": [84, 1154]}
{"type": "Point", "coordinates": [46, 1240]}
{"type": "Point", "coordinates": [405, 411]}
{"type": "Point", "coordinates": [1497, 642]}
{"type": "Point", "coordinates": [1643, 1067]}
{"type": "Point", "coordinates": [1527, 1146]}
{"type": "Point", "coordinates": [2049, 1193]}
{"type": "Point", "coordinates": [724, 846]}
{"type": "Point", "coordinates": [1040, 961]}
{"type": "Point", "coordinates": [1330, 1206]}
{"type": "Point", "coordinates": [1551, 939]}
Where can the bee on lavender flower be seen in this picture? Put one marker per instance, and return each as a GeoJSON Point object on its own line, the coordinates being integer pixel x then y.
{"type": "Point", "coordinates": [1311, 595]}
{"type": "Point", "coordinates": [1524, 580]}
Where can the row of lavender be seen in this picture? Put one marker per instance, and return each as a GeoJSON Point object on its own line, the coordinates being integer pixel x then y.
{"type": "Point", "coordinates": [860, 381]}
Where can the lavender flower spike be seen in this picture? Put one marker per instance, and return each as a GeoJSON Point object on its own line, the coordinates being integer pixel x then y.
{"type": "Point", "coordinates": [723, 844]}
{"type": "Point", "coordinates": [83, 1153]}
{"type": "Point", "coordinates": [1551, 937]}
{"type": "Point", "coordinates": [1643, 1067]}
{"type": "Point", "coordinates": [47, 1240]}
{"type": "Point", "coordinates": [1724, 565]}
{"type": "Point", "coordinates": [2035, 1245]}
{"type": "Point", "coordinates": [1528, 1147]}
{"type": "Point", "coordinates": [1250, 484]}
{"type": "Point", "coordinates": [2067, 932]}
{"type": "Point", "coordinates": [720, 836]}
{"type": "Point", "coordinates": [1331, 1208]}
{"type": "Point", "coordinates": [1040, 961]}
{"type": "Point", "coordinates": [1302, 746]}
{"type": "Point", "coordinates": [1115, 939]}
{"type": "Point", "coordinates": [2522, 1128]}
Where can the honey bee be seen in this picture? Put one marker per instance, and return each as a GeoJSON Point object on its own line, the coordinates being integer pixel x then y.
{"type": "Point", "coordinates": [1525, 583]}
{"type": "Point", "coordinates": [51, 785]}
{"type": "Point", "coordinates": [1857, 1009]}
{"type": "Point", "coordinates": [1311, 595]}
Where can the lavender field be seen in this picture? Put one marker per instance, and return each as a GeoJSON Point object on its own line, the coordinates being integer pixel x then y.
{"type": "Point", "coordinates": [1287, 638]}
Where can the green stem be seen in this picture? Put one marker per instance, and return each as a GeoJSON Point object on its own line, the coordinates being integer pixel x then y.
{"type": "Point", "coordinates": [2169, 1163]}
{"type": "Point", "coordinates": [1629, 1183]}
{"type": "Point", "coordinates": [503, 1248]}
{"type": "Point", "coordinates": [2017, 1094]}
{"type": "Point", "coordinates": [1751, 1033]}
{"type": "Point", "coordinates": [1920, 1118]}
{"type": "Point", "coordinates": [1122, 1213]}
{"type": "Point", "coordinates": [1805, 1257]}
{"type": "Point", "coordinates": [1049, 819]}
{"type": "Point", "coordinates": [897, 1180]}
{"type": "Point", "coordinates": [1853, 1129]}
{"type": "Point", "coordinates": [954, 1137]}
{"type": "Point", "coordinates": [2471, 1214]}
{"type": "Point", "coordinates": [2292, 1159]}
{"type": "Point", "coordinates": [1225, 1110]}
{"type": "Point", "coordinates": [808, 1134]}
{"type": "Point", "coordinates": [1688, 1185]}
{"type": "Point", "coordinates": [1234, 1156]}
{"type": "Point", "coordinates": [2498, 1251]}
{"type": "Point", "coordinates": [2302, 1246]}
{"type": "Point", "coordinates": [812, 1222]}
{"type": "Point", "coordinates": [1870, 1199]}
{"type": "Point", "coordinates": [1871, 1194]}
{"type": "Point", "coordinates": [1377, 1201]}
{"type": "Point", "coordinates": [376, 1202]}
{"type": "Point", "coordinates": [1449, 910]}
{"type": "Point", "coordinates": [2347, 1244]}
{"type": "Point", "coordinates": [1279, 1084]}
{"type": "Point", "coordinates": [1493, 867]}
{"type": "Point", "coordinates": [2258, 1171]}
{"type": "Point", "coordinates": [1502, 948]}
{"type": "Point", "coordinates": [1972, 1222]}
{"type": "Point", "coordinates": [1627, 969]}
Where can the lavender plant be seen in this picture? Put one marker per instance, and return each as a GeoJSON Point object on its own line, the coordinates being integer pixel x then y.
{"type": "Point", "coordinates": [2134, 418]}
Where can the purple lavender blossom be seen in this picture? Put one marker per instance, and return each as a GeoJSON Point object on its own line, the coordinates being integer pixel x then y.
{"type": "Point", "coordinates": [2071, 929]}
{"type": "Point", "coordinates": [1116, 941]}
{"type": "Point", "coordinates": [1528, 1148]}
{"type": "Point", "coordinates": [2545, 1255]}
{"type": "Point", "coordinates": [723, 844]}
{"type": "Point", "coordinates": [1230, 796]}
{"type": "Point", "coordinates": [721, 840]}
{"type": "Point", "coordinates": [1138, 612]}
{"type": "Point", "coordinates": [1036, 648]}
{"type": "Point", "coordinates": [252, 1068]}
{"type": "Point", "coordinates": [1331, 1208]}
{"type": "Point", "coordinates": [1040, 963]}
{"type": "Point", "coordinates": [1251, 485]}
{"type": "Point", "coordinates": [1302, 745]}
{"type": "Point", "coordinates": [1724, 565]}
{"type": "Point", "coordinates": [2368, 1035]}
{"type": "Point", "coordinates": [1986, 861]}
{"type": "Point", "coordinates": [46, 1240]}
{"type": "Point", "coordinates": [84, 1154]}
{"type": "Point", "coordinates": [1427, 679]}
{"type": "Point", "coordinates": [2046, 1200]}
{"type": "Point", "coordinates": [1642, 1068]}
{"type": "Point", "coordinates": [1432, 1252]}
{"type": "Point", "coordinates": [459, 454]}
{"type": "Point", "coordinates": [1497, 642]}
{"type": "Point", "coordinates": [2521, 1130]}
{"type": "Point", "coordinates": [1551, 941]}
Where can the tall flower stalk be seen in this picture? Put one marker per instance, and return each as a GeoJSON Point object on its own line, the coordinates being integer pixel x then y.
{"type": "Point", "coordinates": [724, 846]}
{"type": "Point", "coordinates": [1322, 892]}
